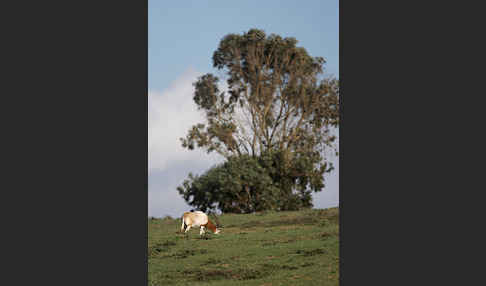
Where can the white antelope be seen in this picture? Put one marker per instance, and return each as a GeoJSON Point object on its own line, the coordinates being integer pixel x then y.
{"type": "Point", "coordinates": [195, 219]}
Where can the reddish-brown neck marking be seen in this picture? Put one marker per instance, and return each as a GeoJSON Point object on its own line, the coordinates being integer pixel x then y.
{"type": "Point", "coordinates": [210, 226]}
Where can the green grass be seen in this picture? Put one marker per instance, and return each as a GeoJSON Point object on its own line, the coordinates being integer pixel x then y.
{"type": "Point", "coordinates": [273, 248]}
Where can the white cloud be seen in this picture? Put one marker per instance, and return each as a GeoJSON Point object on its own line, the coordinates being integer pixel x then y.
{"type": "Point", "coordinates": [171, 113]}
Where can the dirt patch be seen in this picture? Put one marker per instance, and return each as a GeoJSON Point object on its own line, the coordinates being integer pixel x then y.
{"type": "Point", "coordinates": [324, 235]}
{"type": "Point", "coordinates": [312, 252]}
{"type": "Point", "coordinates": [217, 274]}
{"type": "Point", "coordinates": [289, 267]}
{"type": "Point", "coordinates": [207, 275]}
{"type": "Point", "coordinates": [247, 274]}
{"type": "Point", "coordinates": [156, 249]}
{"type": "Point", "coordinates": [307, 264]}
{"type": "Point", "coordinates": [168, 243]}
{"type": "Point", "coordinates": [269, 267]}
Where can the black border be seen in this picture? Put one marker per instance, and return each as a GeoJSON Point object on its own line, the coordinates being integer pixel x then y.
{"type": "Point", "coordinates": [410, 113]}
{"type": "Point", "coordinates": [76, 143]}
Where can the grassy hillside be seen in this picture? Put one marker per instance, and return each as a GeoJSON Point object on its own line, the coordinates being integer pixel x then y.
{"type": "Point", "coordinates": [274, 248]}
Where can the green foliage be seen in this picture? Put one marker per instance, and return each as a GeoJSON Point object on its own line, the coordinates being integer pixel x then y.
{"type": "Point", "coordinates": [246, 184]}
{"type": "Point", "coordinates": [271, 248]}
{"type": "Point", "coordinates": [239, 185]}
{"type": "Point", "coordinates": [273, 125]}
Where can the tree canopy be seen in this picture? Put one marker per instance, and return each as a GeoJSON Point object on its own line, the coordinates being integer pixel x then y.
{"type": "Point", "coordinates": [273, 102]}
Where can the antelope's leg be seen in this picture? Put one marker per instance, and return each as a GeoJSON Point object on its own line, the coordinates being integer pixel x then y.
{"type": "Point", "coordinates": [182, 227]}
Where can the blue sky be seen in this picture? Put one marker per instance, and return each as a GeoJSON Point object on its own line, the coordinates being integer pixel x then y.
{"type": "Point", "coordinates": [182, 38]}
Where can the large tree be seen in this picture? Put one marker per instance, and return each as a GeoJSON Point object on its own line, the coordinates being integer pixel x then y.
{"type": "Point", "coordinates": [273, 101]}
